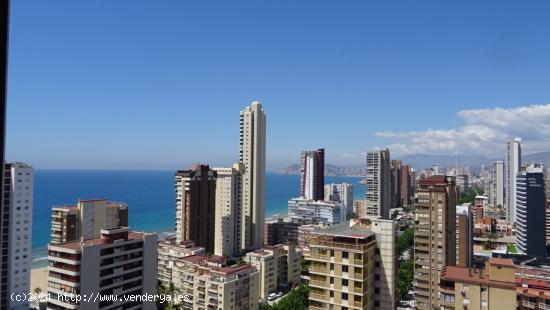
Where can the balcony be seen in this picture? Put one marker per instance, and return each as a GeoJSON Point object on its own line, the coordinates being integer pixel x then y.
{"type": "Point", "coordinates": [544, 306]}
{"type": "Point", "coordinates": [528, 304]}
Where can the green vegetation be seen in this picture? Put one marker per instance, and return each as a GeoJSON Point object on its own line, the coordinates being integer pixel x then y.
{"type": "Point", "coordinates": [490, 242]}
{"type": "Point", "coordinates": [297, 299]}
{"type": "Point", "coordinates": [405, 273]}
{"type": "Point", "coordinates": [511, 248]}
{"type": "Point", "coordinates": [305, 266]}
{"type": "Point", "coordinates": [405, 241]}
{"type": "Point", "coordinates": [166, 291]}
{"type": "Point", "coordinates": [469, 196]}
{"type": "Point", "coordinates": [405, 276]}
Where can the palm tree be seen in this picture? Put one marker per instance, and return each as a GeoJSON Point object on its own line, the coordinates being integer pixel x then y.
{"type": "Point", "coordinates": [37, 290]}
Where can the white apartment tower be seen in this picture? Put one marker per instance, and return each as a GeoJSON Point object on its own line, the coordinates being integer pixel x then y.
{"type": "Point", "coordinates": [341, 193]}
{"type": "Point", "coordinates": [378, 184]}
{"type": "Point", "coordinates": [228, 211]}
{"type": "Point", "coordinates": [512, 166]}
{"type": "Point", "coordinates": [497, 183]}
{"type": "Point", "coordinates": [18, 182]}
{"type": "Point", "coordinates": [252, 156]}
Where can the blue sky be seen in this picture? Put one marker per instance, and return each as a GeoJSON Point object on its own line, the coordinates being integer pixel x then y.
{"type": "Point", "coordinates": [159, 84]}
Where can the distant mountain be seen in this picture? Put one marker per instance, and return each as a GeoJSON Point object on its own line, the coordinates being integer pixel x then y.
{"type": "Point", "coordinates": [423, 161]}
{"type": "Point", "coordinates": [539, 158]}
{"type": "Point", "coordinates": [329, 170]}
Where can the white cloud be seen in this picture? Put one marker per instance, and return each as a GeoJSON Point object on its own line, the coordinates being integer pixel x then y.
{"type": "Point", "coordinates": [483, 132]}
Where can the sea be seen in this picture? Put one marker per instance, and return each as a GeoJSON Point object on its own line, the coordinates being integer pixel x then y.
{"type": "Point", "coordinates": [149, 194]}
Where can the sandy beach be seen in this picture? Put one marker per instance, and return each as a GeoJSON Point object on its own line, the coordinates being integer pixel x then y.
{"type": "Point", "coordinates": [39, 278]}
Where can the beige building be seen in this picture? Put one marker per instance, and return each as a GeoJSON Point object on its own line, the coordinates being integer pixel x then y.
{"type": "Point", "coordinates": [228, 211]}
{"type": "Point", "coordinates": [208, 283]}
{"type": "Point", "coordinates": [118, 263]}
{"type": "Point", "coordinates": [279, 267]}
{"type": "Point", "coordinates": [493, 288]}
{"type": "Point", "coordinates": [86, 219]}
{"type": "Point", "coordinates": [353, 266]}
{"type": "Point", "coordinates": [252, 156]}
{"type": "Point", "coordinates": [435, 235]}
{"type": "Point", "coordinates": [168, 253]}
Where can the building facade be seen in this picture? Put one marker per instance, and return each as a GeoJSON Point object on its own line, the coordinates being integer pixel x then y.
{"type": "Point", "coordinates": [86, 219]}
{"type": "Point", "coordinates": [280, 231]}
{"type": "Point", "coordinates": [341, 193]}
{"type": "Point", "coordinates": [407, 185]}
{"type": "Point", "coordinates": [119, 263]}
{"type": "Point", "coordinates": [208, 283]}
{"type": "Point", "coordinates": [512, 165]}
{"type": "Point", "coordinates": [312, 175]}
{"type": "Point", "coordinates": [531, 212]}
{"type": "Point", "coordinates": [279, 267]}
{"type": "Point", "coordinates": [395, 184]}
{"type": "Point", "coordinates": [315, 212]}
{"type": "Point", "coordinates": [349, 269]}
{"type": "Point", "coordinates": [17, 230]}
{"type": "Point", "coordinates": [252, 156]}
{"type": "Point", "coordinates": [196, 206]}
{"type": "Point", "coordinates": [493, 288]}
{"type": "Point", "coordinates": [435, 235]}
{"type": "Point", "coordinates": [497, 184]}
{"type": "Point", "coordinates": [228, 211]}
{"type": "Point", "coordinates": [378, 184]}
{"type": "Point", "coordinates": [169, 252]}
{"type": "Point", "coordinates": [464, 236]}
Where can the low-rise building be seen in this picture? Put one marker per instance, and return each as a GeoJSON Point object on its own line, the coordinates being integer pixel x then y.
{"type": "Point", "coordinates": [119, 263]}
{"type": "Point", "coordinates": [169, 252]}
{"type": "Point", "coordinates": [491, 288]}
{"type": "Point", "coordinates": [208, 283]}
{"type": "Point", "coordinates": [305, 211]}
{"type": "Point", "coordinates": [279, 267]}
{"type": "Point", "coordinates": [280, 231]}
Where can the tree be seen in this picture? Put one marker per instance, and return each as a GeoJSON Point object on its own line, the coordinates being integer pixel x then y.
{"type": "Point", "coordinates": [37, 290]}
{"type": "Point", "coordinates": [511, 248]}
{"type": "Point", "coordinates": [405, 276]}
{"type": "Point", "coordinates": [296, 299]}
{"type": "Point", "coordinates": [305, 266]}
{"type": "Point", "coordinates": [405, 241]}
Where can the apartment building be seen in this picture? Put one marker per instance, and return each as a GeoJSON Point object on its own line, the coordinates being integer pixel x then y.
{"type": "Point", "coordinates": [17, 232]}
{"type": "Point", "coordinates": [118, 263]}
{"type": "Point", "coordinates": [435, 235]}
{"type": "Point", "coordinates": [86, 219]}
{"type": "Point", "coordinates": [196, 206]}
{"type": "Point", "coordinates": [168, 253]}
{"type": "Point", "coordinates": [304, 233]}
{"type": "Point", "coordinates": [280, 231]}
{"type": "Point", "coordinates": [341, 193]}
{"type": "Point", "coordinates": [353, 265]}
{"type": "Point", "coordinates": [279, 267]}
{"type": "Point", "coordinates": [209, 283]}
{"type": "Point", "coordinates": [378, 184]}
{"type": "Point", "coordinates": [228, 210]}
{"type": "Point", "coordinates": [312, 175]}
{"type": "Point", "coordinates": [464, 236]}
{"type": "Point", "coordinates": [313, 212]}
{"type": "Point", "coordinates": [252, 155]}
{"type": "Point", "coordinates": [491, 288]}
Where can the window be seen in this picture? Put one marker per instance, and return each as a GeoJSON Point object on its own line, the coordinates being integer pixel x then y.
{"type": "Point", "coordinates": [344, 296]}
{"type": "Point", "coordinates": [345, 255]}
{"type": "Point", "coordinates": [345, 282]}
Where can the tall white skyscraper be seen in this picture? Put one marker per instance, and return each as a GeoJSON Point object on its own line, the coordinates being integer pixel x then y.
{"type": "Point", "coordinates": [252, 156]}
{"type": "Point", "coordinates": [378, 184]}
{"type": "Point", "coordinates": [497, 184]}
{"type": "Point", "coordinates": [19, 184]}
{"type": "Point", "coordinates": [228, 211]}
{"type": "Point", "coordinates": [312, 174]}
{"type": "Point", "coordinates": [512, 166]}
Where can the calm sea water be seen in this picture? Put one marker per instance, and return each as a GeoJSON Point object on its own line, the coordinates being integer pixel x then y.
{"type": "Point", "coordinates": [149, 194]}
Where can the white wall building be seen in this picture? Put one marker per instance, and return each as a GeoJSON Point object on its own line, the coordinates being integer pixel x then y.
{"type": "Point", "coordinates": [512, 165]}
{"type": "Point", "coordinates": [19, 179]}
{"type": "Point", "coordinates": [341, 193]}
{"type": "Point", "coordinates": [498, 183]}
{"type": "Point", "coordinates": [316, 212]}
{"type": "Point", "coordinates": [252, 156]}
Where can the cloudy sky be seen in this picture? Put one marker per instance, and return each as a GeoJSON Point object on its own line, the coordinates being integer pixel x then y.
{"type": "Point", "coordinates": [132, 84]}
